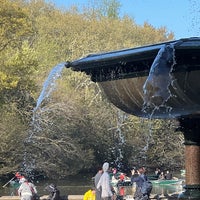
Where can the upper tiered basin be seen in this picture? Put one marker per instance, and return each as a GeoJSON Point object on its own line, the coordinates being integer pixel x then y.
{"type": "Point", "coordinates": [124, 74]}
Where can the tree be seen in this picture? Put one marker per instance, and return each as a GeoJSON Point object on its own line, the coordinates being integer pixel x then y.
{"type": "Point", "coordinates": [15, 24]}
{"type": "Point", "coordinates": [103, 8]}
{"type": "Point", "coordinates": [109, 8]}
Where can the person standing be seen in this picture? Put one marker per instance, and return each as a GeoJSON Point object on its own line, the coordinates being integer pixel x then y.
{"type": "Point", "coordinates": [26, 190]}
{"type": "Point", "coordinates": [105, 184]}
{"type": "Point", "coordinates": [96, 180]}
{"type": "Point", "coordinates": [139, 180]}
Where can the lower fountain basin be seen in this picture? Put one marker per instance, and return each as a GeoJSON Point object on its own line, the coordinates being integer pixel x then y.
{"type": "Point", "coordinates": [122, 75]}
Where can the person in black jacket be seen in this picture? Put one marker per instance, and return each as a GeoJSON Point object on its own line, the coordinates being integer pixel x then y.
{"type": "Point", "coordinates": [138, 176]}
{"type": "Point", "coordinates": [168, 175]}
{"type": "Point", "coordinates": [54, 192]}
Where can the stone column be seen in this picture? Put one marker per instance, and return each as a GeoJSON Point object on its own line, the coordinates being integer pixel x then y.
{"type": "Point", "coordinates": [190, 127]}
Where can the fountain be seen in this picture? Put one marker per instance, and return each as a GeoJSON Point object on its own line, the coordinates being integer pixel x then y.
{"type": "Point", "coordinates": [156, 81]}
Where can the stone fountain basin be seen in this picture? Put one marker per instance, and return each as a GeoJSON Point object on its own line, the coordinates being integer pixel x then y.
{"type": "Point", "coordinates": [121, 75]}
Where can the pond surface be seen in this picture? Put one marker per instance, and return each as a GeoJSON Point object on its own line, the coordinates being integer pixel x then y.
{"type": "Point", "coordinates": [78, 185]}
{"type": "Point", "coordinates": [75, 185]}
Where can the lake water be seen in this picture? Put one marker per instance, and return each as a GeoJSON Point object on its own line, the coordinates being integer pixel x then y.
{"type": "Point", "coordinates": [78, 185]}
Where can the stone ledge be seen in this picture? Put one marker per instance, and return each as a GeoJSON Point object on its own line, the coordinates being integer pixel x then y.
{"type": "Point", "coordinates": [70, 197]}
{"type": "Point", "coordinates": [9, 198]}
{"type": "Point", "coordinates": [75, 197]}
{"type": "Point", "coordinates": [80, 197]}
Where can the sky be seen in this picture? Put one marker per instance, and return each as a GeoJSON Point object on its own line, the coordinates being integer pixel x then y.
{"type": "Point", "coordinates": [182, 17]}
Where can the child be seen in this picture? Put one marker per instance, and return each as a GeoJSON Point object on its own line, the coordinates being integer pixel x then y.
{"type": "Point", "coordinates": [90, 194]}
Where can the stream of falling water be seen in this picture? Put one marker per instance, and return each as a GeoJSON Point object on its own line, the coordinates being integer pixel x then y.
{"type": "Point", "coordinates": [121, 117]}
{"type": "Point", "coordinates": [48, 87]}
{"type": "Point", "coordinates": [156, 88]}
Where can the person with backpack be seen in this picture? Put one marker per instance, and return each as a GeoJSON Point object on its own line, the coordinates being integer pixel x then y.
{"type": "Point", "coordinates": [54, 193]}
{"type": "Point", "coordinates": [143, 185]}
{"type": "Point", "coordinates": [27, 190]}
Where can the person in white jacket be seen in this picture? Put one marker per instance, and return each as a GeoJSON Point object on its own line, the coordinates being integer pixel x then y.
{"type": "Point", "coordinates": [105, 184]}
{"type": "Point", "coordinates": [26, 190]}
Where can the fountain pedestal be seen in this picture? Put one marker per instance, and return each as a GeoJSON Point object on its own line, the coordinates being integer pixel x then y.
{"type": "Point", "coordinates": [190, 127]}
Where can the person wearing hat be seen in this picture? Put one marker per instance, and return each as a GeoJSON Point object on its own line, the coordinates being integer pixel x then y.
{"type": "Point", "coordinates": [18, 177]}
{"type": "Point", "coordinates": [26, 190]}
{"type": "Point", "coordinates": [105, 184]}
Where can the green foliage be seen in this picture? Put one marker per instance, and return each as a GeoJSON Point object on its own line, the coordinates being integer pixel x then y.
{"type": "Point", "coordinates": [104, 8]}
{"type": "Point", "coordinates": [15, 28]}
{"type": "Point", "coordinates": [15, 24]}
{"type": "Point", "coordinates": [12, 132]}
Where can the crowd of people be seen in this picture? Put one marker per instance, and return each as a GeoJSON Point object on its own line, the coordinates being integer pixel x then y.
{"type": "Point", "coordinates": [103, 190]}
{"type": "Point", "coordinates": [163, 176]}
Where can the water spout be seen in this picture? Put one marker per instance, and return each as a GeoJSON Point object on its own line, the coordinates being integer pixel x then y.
{"type": "Point", "coordinates": [49, 85]}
